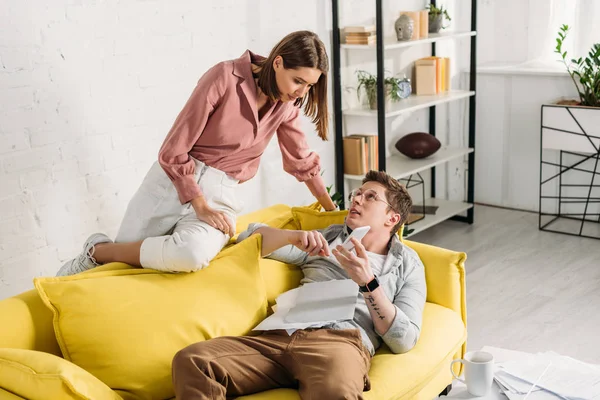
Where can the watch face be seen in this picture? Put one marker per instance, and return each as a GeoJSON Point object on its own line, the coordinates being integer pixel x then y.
{"type": "Point", "coordinates": [404, 89]}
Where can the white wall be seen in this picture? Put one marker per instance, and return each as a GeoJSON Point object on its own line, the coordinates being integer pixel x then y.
{"type": "Point", "coordinates": [509, 102]}
{"type": "Point", "coordinates": [89, 89]}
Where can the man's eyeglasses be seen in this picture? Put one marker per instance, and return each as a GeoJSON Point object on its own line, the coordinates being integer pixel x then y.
{"type": "Point", "coordinates": [368, 196]}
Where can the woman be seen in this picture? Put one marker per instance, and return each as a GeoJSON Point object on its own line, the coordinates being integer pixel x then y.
{"type": "Point", "coordinates": [185, 210]}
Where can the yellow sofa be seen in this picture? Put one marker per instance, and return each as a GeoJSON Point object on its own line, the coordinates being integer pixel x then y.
{"type": "Point", "coordinates": [31, 323]}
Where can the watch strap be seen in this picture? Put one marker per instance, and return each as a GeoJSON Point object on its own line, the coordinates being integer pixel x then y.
{"type": "Point", "coordinates": [370, 286]}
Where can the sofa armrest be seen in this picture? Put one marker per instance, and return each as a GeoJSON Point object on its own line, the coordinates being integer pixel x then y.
{"type": "Point", "coordinates": [445, 276]}
{"type": "Point", "coordinates": [27, 324]}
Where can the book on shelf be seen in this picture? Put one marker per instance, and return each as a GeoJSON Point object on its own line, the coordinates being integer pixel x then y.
{"type": "Point", "coordinates": [432, 75]}
{"type": "Point", "coordinates": [419, 208]}
{"type": "Point", "coordinates": [414, 217]}
{"type": "Point", "coordinates": [360, 35]}
{"type": "Point", "coordinates": [361, 40]}
{"type": "Point", "coordinates": [361, 154]}
{"type": "Point", "coordinates": [360, 28]}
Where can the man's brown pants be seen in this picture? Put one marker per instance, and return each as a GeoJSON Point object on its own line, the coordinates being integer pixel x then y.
{"type": "Point", "coordinates": [322, 363]}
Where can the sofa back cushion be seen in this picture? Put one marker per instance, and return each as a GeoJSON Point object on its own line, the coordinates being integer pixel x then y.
{"type": "Point", "coordinates": [310, 218]}
{"type": "Point", "coordinates": [124, 326]}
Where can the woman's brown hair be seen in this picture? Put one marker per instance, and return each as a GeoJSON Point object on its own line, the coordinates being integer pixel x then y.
{"type": "Point", "coordinates": [301, 49]}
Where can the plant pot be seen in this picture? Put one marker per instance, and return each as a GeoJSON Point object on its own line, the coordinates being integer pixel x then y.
{"type": "Point", "coordinates": [563, 127]}
{"type": "Point", "coordinates": [436, 22]}
{"type": "Point", "coordinates": [373, 99]}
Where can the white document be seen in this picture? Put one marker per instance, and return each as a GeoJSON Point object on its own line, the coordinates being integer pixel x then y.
{"type": "Point", "coordinates": [513, 384]}
{"type": "Point", "coordinates": [313, 304]}
{"type": "Point", "coordinates": [565, 376]}
{"type": "Point", "coordinates": [535, 395]}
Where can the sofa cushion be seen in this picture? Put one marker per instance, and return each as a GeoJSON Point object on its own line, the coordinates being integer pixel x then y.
{"type": "Point", "coordinates": [279, 277]}
{"type": "Point", "coordinates": [402, 376]}
{"type": "Point", "coordinates": [276, 216]}
{"type": "Point", "coordinates": [4, 395]}
{"type": "Point", "coordinates": [36, 375]}
{"type": "Point", "coordinates": [309, 219]}
{"type": "Point", "coordinates": [124, 326]}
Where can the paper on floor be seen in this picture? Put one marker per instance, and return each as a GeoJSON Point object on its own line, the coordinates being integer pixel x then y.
{"type": "Point", "coordinates": [565, 376]}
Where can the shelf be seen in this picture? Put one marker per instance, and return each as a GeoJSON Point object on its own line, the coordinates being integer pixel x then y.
{"type": "Point", "coordinates": [412, 103]}
{"type": "Point", "coordinates": [446, 210]}
{"type": "Point", "coordinates": [400, 166]}
{"type": "Point", "coordinates": [392, 43]}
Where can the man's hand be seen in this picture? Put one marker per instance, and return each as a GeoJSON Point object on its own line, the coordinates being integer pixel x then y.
{"type": "Point", "coordinates": [214, 218]}
{"type": "Point", "coordinates": [311, 242]}
{"type": "Point", "coordinates": [356, 265]}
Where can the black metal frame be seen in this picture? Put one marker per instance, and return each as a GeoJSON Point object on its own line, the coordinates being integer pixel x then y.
{"type": "Point", "coordinates": [563, 168]}
{"type": "Point", "coordinates": [337, 102]}
{"type": "Point", "coordinates": [411, 182]}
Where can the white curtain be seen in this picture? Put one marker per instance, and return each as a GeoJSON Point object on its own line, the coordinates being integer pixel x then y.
{"type": "Point", "coordinates": [547, 16]}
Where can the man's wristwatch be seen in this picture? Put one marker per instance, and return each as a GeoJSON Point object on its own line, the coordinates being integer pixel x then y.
{"type": "Point", "coordinates": [369, 287]}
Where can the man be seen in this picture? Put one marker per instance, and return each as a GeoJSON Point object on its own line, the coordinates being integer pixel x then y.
{"type": "Point", "coordinates": [332, 361]}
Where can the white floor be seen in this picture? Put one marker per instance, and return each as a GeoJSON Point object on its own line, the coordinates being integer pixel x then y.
{"type": "Point", "coordinates": [527, 289]}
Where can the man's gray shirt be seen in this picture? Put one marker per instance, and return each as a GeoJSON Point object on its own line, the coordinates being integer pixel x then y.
{"type": "Point", "coordinates": [402, 279]}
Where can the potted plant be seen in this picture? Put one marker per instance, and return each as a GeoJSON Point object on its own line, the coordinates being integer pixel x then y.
{"type": "Point", "coordinates": [436, 17]}
{"type": "Point", "coordinates": [586, 71]}
{"type": "Point", "coordinates": [368, 81]}
{"type": "Point", "coordinates": [564, 120]}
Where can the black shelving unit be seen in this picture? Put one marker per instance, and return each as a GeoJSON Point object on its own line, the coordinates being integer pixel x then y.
{"type": "Point", "coordinates": [381, 117]}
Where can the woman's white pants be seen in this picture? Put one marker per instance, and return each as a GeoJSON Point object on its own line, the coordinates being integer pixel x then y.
{"type": "Point", "coordinates": [174, 239]}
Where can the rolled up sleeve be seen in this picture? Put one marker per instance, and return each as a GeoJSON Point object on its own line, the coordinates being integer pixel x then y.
{"type": "Point", "coordinates": [287, 254]}
{"type": "Point", "coordinates": [298, 159]}
{"type": "Point", "coordinates": [409, 301]}
{"type": "Point", "coordinates": [174, 154]}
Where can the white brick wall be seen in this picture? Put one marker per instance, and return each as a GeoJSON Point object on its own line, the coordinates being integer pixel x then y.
{"type": "Point", "coordinates": [88, 90]}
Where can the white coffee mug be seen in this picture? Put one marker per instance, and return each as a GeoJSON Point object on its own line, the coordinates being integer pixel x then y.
{"type": "Point", "coordinates": [479, 372]}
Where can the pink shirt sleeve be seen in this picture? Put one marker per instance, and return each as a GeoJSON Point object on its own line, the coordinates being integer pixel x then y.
{"type": "Point", "coordinates": [298, 159]}
{"type": "Point", "coordinates": [173, 155]}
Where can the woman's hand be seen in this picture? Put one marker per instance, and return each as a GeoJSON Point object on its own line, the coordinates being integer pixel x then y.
{"type": "Point", "coordinates": [311, 242]}
{"type": "Point", "coordinates": [214, 218]}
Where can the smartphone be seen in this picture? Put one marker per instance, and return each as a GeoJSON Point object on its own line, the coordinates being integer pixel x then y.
{"type": "Point", "coordinates": [357, 233]}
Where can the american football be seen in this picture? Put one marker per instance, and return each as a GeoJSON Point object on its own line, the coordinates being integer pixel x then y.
{"type": "Point", "coordinates": [418, 145]}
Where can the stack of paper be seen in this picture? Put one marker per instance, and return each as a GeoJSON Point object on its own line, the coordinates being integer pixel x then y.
{"type": "Point", "coordinates": [553, 375]}
{"type": "Point", "coordinates": [313, 304]}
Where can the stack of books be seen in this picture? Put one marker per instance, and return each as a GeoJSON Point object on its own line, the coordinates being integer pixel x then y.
{"type": "Point", "coordinates": [361, 34]}
{"type": "Point", "coordinates": [432, 75]}
{"type": "Point", "coordinates": [361, 154]}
